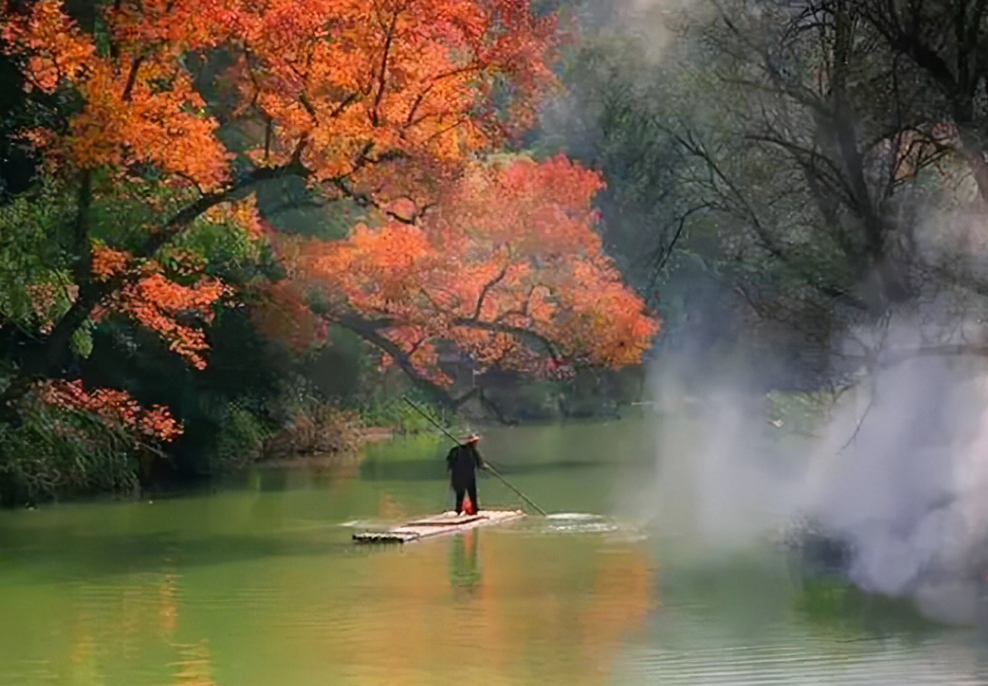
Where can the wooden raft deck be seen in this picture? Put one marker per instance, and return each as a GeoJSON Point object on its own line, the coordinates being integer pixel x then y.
{"type": "Point", "coordinates": [445, 523]}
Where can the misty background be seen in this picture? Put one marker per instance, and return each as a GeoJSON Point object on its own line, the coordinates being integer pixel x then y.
{"type": "Point", "coordinates": [799, 188]}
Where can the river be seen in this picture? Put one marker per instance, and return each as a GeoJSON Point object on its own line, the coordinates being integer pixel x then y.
{"type": "Point", "coordinates": [257, 583]}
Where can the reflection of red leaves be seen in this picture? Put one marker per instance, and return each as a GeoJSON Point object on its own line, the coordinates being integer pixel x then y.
{"type": "Point", "coordinates": [116, 408]}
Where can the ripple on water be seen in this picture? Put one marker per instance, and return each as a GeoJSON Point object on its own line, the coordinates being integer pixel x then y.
{"type": "Point", "coordinates": [893, 662]}
{"type": "Point", "coordinates": [574, 523]}
{"type": "Point", "coordinates": [575, 516]}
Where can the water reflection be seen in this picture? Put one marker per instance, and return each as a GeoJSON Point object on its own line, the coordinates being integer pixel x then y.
{"type": "Point", "coordinates": [464, 563]}
{"type": "Point", "coordinates": [193, 667]}
{"type": "Point", "coordinates": [260, 585]}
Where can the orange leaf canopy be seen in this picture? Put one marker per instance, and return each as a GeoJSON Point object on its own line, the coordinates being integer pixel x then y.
{"type": "Point", "coordinates": [390, 102]}
{"type": "Point", "coordinates": [508, 268]}
{"type": "Point", "coordinates": [341, 87]}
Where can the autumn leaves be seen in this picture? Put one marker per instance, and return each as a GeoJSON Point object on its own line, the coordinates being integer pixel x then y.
{"type": "Point", "coordinates": [396, 105]}
{"type": "Point", "coordinates": [507, 267]}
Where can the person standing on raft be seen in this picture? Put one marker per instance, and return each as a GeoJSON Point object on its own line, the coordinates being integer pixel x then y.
{"type": "Point", "coordinates": [462, 463]}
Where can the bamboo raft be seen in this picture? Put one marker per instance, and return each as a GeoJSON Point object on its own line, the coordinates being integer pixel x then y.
{"type": "Point", "coordinates": [445, 523]}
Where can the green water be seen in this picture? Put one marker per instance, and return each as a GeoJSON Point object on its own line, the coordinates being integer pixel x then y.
{"type": "Point", "coordinates": [258, 584]}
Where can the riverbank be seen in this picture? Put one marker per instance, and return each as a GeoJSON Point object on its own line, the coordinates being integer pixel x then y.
{"type": "Point", "coordinates": [365, 436]}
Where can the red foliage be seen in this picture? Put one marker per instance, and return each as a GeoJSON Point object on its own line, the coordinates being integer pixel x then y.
{"type": "Point", "coordinates": [115, 408]}
{"type": "Point", "coordinates": [109, 263]}
{"type": "Point", "coordinates": [390, 102]}
{"type": "Point", "coordinates": [508, 267]}
{"type": "Point", "coordinates": [285, 315]}
{"type": "Point", "coordinates": [348, 88]}
{"type": "Point", "coordinates": [157, 302]}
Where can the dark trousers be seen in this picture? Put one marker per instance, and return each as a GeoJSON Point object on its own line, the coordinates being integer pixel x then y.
{"type": "Point", "coordinates": [470, 488]}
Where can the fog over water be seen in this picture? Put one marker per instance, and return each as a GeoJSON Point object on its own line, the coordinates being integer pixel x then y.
{"type": "Point", "coordinates": [897, 466]}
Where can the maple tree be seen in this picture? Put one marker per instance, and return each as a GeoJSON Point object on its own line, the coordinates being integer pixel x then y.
{"type": "Point", "coordinates": [116, 408]}
{"type": "Point", "coordinates": [154, 300]}
{"type": "Point", "coordinates": [520, 283]}
{"type": "Point", "coordinates": [392, 104]}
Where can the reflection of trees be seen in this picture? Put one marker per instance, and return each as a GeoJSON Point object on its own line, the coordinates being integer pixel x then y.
{"type": "Point", "coordinates": [84, 662]}
{"type": "Point", "coordinates": [134, 623]}
{"type": "Point", "coordinates": [194, 665]}
{"type": "Point", "coordinates": [623, 580]}
{"type": "Point", "coordinates": [464, 566]}
{"type": "Point", "coordinates": [389, 508]}
{"type": "Point", "coordinates": [168, 604]}
{"type": "Point", "coordinates": [834, 604]}
{"type": "Point", "coordinates": [491, 606]}
{"type": "Point", "coordinates": [522, 610]}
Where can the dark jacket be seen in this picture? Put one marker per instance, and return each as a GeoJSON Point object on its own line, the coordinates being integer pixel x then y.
{"type": "Point", "coordinates": [462, 462]}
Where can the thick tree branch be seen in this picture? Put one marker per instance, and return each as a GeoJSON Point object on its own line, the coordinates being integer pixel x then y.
{"type": "Point", "coordinates": [517, 331]}
{"type": "Point", "coordinates": [487, 288]}
{"type": "Point", "coordinates": [365, 200]}
{"type": "Point", "coordinates": [56, 345]}
{"type": "Point", "coordinates": [370, 331]}
{"type": "Point", "coordinates": [182, 219]}
{"type": "Point", "coordinates": [132, 77]}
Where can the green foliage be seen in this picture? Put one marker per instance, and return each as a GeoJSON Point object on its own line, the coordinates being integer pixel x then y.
{"type": "Point", "coordinates": [292, 207]}
{"type": "Point", "coordinates": [82, 340]}
{"type": "Point", "coordinates": [840, 607]}
{"type": "Point", "coordinates": [35, 257]}
{"type": "Point", "coordinates": [123, 209]}
{"type": "Point", "coordinates": [242, 376]}
{"type": "Point", "coordinates": [396, 413]}
{"type": "Point", "coordinates": [336, 370]}
{"type": "Point", "coordinates": [228, 251]}
{"type": "Point", "coordinates": [617, 133]}
{"type": "Point", "coordinates": [53, 452]}
{"type": "Point", "coordinates": [241, 439]}
{"type": "Point", "coordinates": [308, 424]}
